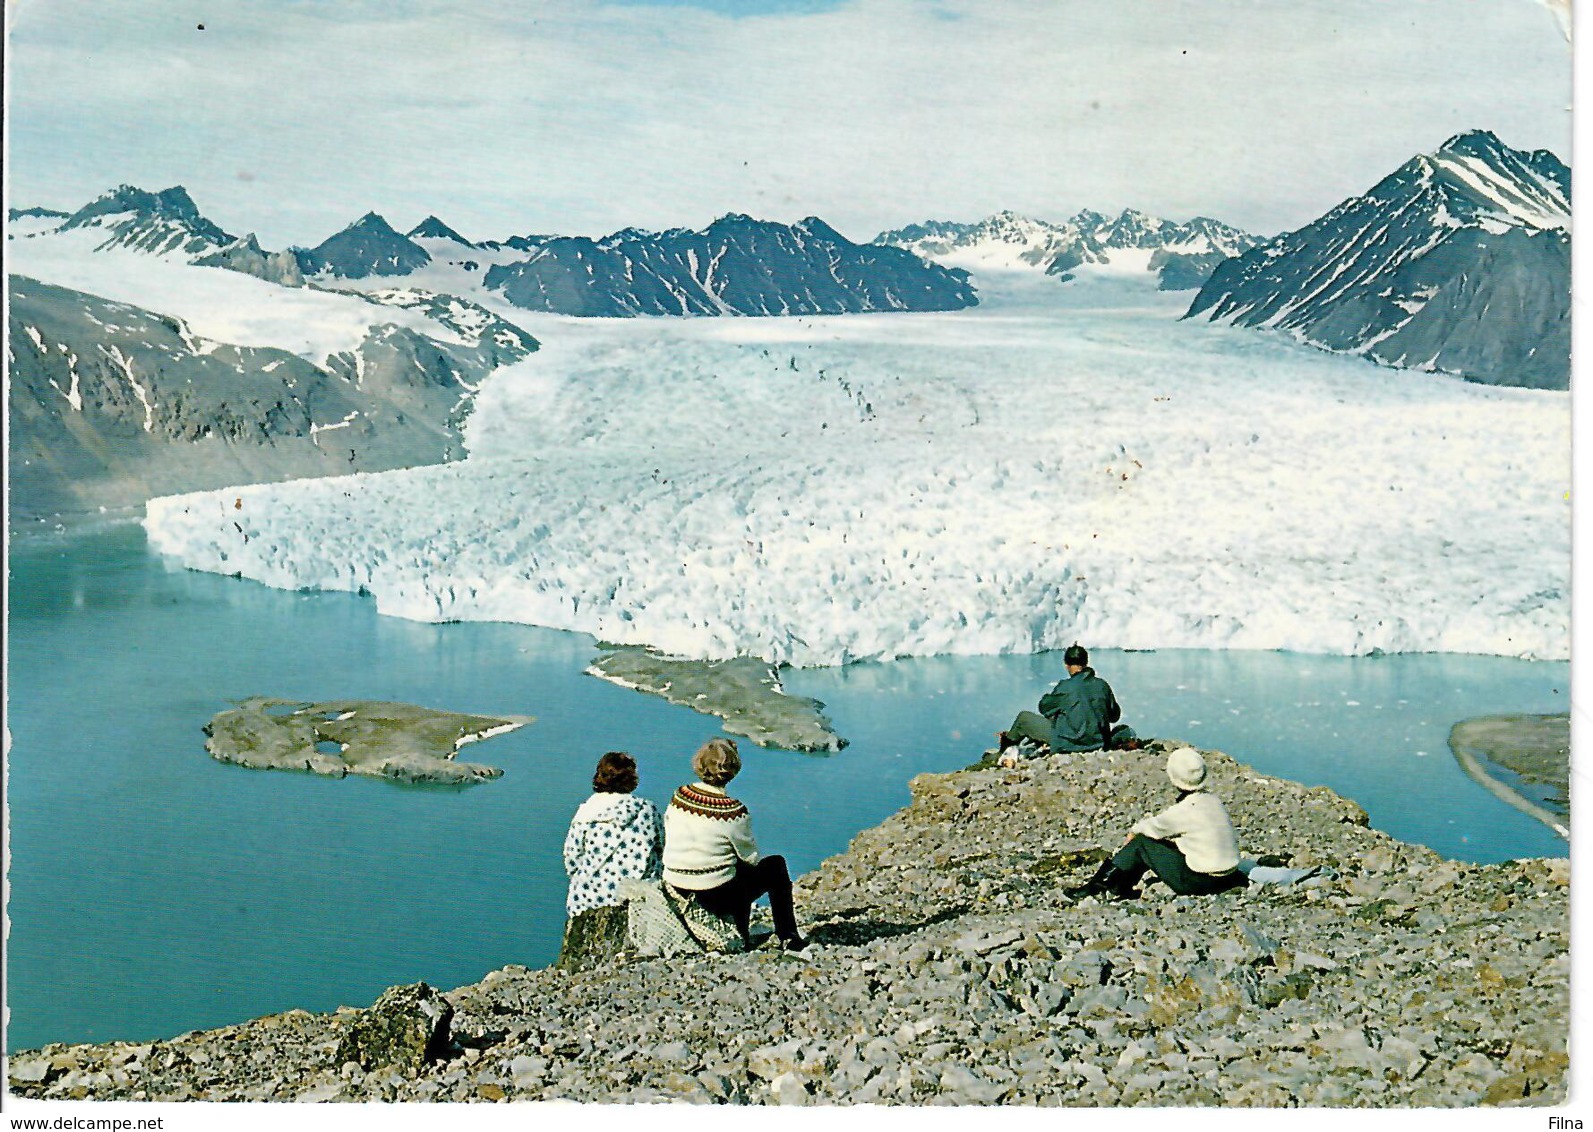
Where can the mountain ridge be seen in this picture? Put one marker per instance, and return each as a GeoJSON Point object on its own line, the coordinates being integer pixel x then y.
{"type": "Point", "coordinates": [1183, 254]}
{"type": "Point", "coordinates": [1458, 261]}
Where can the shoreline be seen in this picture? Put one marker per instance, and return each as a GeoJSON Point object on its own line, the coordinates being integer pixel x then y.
{"type": "Point", "coordinates": [948, 967]}
{"type": "Point", "coordinates": [1533, 748]}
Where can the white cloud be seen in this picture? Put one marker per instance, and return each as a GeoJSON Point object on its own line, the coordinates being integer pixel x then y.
{"type": "Point", "coordinates": [294, 118]}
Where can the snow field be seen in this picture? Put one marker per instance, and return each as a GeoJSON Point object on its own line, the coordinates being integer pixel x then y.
{"type": "Point", "coordinates": [1011, 478]}
{"type": "Point", "coordinates": [216, 304]}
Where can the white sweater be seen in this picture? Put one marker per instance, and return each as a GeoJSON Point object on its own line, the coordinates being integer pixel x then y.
{"type": "Point", "coordinates": [1198, 824]}
{"type": "Point", "coordinates": [705, 833]}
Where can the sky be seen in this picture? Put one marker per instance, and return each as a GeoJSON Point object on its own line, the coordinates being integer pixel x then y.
{"type": "Point", "coordinates": [293, 118]}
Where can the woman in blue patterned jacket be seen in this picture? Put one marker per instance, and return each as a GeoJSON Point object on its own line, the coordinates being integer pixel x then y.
{"type": "Point", "coordinates": [614, 835]}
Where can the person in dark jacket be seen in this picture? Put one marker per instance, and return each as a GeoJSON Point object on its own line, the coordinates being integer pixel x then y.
{"type": "Point", "coordinates": [1077, 715]}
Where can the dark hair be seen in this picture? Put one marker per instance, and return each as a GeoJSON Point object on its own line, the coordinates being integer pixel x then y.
{"type": "Point", "coordinates": [616, 774]}
{"type": "Point", "coordinates": [1075, 654]}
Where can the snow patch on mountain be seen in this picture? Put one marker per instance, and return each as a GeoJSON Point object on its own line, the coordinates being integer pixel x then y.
{"type": "Point", "coordinates": [225, 306]}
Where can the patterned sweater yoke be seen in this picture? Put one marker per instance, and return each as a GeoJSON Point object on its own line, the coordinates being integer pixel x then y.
{"type": "Point", "coordinates": [720, 807]}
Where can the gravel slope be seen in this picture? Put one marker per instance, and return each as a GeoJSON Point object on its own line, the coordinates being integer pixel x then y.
{"type": "Point", "coordinates": [950, 968]}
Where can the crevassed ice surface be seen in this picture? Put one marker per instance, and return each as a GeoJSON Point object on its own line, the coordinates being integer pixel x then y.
{"type": "Point", "coordinates": [1059, 464]}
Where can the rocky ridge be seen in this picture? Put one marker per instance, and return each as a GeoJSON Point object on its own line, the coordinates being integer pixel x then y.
{"type": "Point", "coordinates": [738, 265]}
{"type": "Point", "coordinates": [167, 222]}
{"type": "Point", "coordinates": [950, 968]}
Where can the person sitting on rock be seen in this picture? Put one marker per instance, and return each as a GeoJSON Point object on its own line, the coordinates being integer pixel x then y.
{"type": "Point", "coordinates": [614, 836]}
{"type": "Point", "coordinates": [709, 850]}
{"type": "Point", "coordinates": [1077, 715]}
{"type": "Point", "coordinates": [1190, 845]}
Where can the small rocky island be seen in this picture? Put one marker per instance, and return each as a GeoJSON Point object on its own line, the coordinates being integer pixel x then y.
{"type": "Point", "coordinates": [1514, 755]}
{"type": "Point", "coordinates": [343, 737]}
{"type": "Point", "coordinates": [744, 691]}
{"type": "Point", "coordinates": [949, 967]}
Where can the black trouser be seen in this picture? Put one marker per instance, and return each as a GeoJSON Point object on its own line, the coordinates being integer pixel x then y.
{"type": "Point", "coordinates": [1164, 859]}
{"type": "Point", "coordinates": [734, 898]}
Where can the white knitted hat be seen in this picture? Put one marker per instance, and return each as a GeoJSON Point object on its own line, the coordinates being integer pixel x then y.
{"type": "Point", "coordinates": [1186, 768]}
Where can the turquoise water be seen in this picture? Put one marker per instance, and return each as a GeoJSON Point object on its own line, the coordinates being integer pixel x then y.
{"type": "Point", "coordinates": [154, 890]}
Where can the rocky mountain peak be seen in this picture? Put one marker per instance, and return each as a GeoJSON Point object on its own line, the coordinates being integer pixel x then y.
{"type": "Point", "coordinates": [173, 204]}
{"type": "Point", "coordinates": [1458, 261]}
{"type": "Point", "coordinates": [369, 246]}
{"type": "Point", "coordinates": [432, 228]}
{"type": "Point", "coordinates": [160, 223]}
{"type": "Point", "coordinates": [1476, 143]}
{"type": "Point", "coordinates": [817, 228]}
{"type": "Point", "coordinates": [373, 222]}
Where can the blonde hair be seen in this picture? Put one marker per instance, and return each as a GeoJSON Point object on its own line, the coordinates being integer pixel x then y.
{"type": "Point", "coordinates": [716, 761]}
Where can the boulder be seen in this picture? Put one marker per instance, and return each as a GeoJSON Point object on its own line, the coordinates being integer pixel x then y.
{"type": "Point", "coordinates": [406, 1027]}
{"type": "Point", "coordinates": [592, 938]}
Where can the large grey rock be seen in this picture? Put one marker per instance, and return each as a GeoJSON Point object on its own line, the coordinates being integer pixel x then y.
{"type": "Point", "coordinates": [593, 938]}
{"type": "Point", "coordinates": [366, 737]}
{"type": "Point", "coordinates": [406, 1027]}
{"type": "Point", "coordinates": [744, 691]}
{"type": "Point", "coordinates": [245, 255]}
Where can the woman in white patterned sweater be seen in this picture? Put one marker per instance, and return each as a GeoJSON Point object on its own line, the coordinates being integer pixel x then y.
{"type": "Point", "coordinates": [709, 850]}
{"type": "Point", "coordinates": [613, 836]}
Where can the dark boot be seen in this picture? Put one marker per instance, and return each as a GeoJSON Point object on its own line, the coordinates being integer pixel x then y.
{"type": "Point", "coordinates": [1122, 885]}
{"type": "Point", "coordinates": [1096, 884]}
{"type": "Point", "coordinates": [1109, 880]}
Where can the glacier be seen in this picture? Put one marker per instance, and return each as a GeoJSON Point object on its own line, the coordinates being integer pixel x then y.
{"type": "Point", "coordinates": [1055, 465]}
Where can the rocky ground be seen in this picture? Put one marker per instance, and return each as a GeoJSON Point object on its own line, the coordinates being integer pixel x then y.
{"type": "Point", "coordinates": [950, 968]}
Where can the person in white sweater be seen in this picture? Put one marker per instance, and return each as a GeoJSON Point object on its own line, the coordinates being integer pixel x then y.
{"type": "Point", "coordinates": [709, 850]}
{"type": "Point", "coordinates": [1190, 845]}
{"type": "Point", "coordinates": [613, 836]}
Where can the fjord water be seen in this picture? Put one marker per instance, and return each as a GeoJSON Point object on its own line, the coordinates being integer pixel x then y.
{"type": "Point", "coordinates": [154, 890]}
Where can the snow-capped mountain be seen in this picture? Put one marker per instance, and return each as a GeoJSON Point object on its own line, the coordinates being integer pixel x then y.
{"type": "Point", "coordinates": [1181, 255]}
{"type": "Point", "coordinates": [737, 265]}
{"type": "Point", "coordinates": [1459, 261]}
{"type": "Point", "coordinates": [167, 222]}
{"type": "Point", "coordinates": [111, 403]}
{"type": "Point", "coordinates": [369, 246]}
